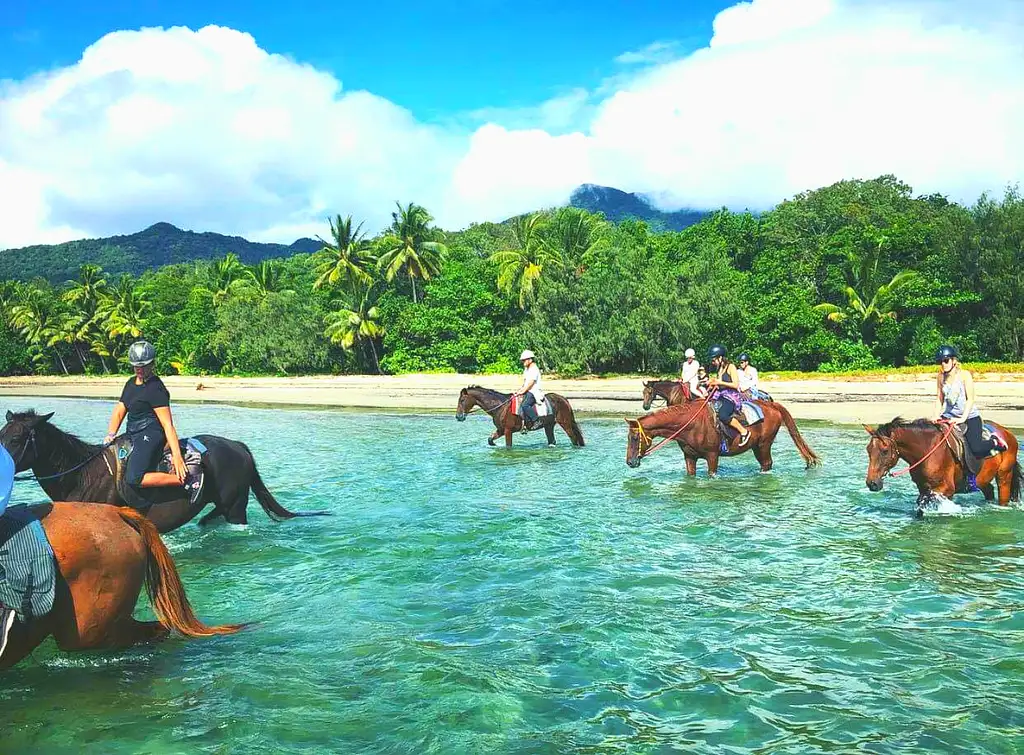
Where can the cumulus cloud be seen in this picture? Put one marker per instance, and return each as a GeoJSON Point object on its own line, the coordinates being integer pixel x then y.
{"type": "Point", "coordinates": [207, 130]}
{"type": "Point", "coordinates": [655, 52]}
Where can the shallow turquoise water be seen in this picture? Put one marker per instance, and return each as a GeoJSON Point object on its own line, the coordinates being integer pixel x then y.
{"type": "Point", "coordinates": [469, 599]}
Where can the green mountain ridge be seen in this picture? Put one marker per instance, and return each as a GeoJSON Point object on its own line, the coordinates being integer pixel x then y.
{"type": "Point", "coordinates": [618, 205]}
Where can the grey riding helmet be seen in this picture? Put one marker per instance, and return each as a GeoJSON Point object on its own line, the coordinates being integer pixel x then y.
{"type": "Point", "coordinates": [141, 353]}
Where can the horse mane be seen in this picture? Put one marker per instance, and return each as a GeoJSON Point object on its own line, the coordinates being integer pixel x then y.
{"type": "Point", "coordinates": [66, 449]}
{"type": "Point", "coordinates": [489, 392]}
{"type": "Point", "coordinates": [898, 423]}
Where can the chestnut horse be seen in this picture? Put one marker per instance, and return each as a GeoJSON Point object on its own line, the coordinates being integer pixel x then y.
{"type": "Point", "coordinates": [104, 555]}
{"type": "Point", "coordinates": [670, 390]}
{"type": "Point", "coordinates": [694, 427]}
{"type": "Point", "coordinates": [498, 405]}
{"type": "Point", "coordinates": [69, 469]}
{"type": "Point", "coordinates": [921, 443]}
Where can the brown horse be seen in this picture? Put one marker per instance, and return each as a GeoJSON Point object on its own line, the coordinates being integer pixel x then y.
{"type": "Point", "coordinates": [694, 427]}
{"type": "Point", "coordinates": [669, 390]}
{"type": "Point", "coordinates": [69, 469]}
{"type": "Point", "coordinates": [498, 405]}
{"type": "Point", "coordinates": [104, 555]}
{"type": "Point", "coordinates": [921, 444]}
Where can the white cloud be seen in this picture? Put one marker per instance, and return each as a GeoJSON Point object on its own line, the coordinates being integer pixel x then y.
{"type": "Point", "coordinates": [208, 131]}
{"type": "Point", "coordinates": [655, 52]}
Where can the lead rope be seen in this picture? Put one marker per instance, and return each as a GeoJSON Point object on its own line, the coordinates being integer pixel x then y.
{"type": "Point", "coordinates": [644, 435]}
{"type": "Point", "coordinates": [921, 461]}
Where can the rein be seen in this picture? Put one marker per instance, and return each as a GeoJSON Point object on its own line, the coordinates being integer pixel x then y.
{"type": "Point", "coordinates": [921, 461]}
{"type": "Point", "coordinates": [490, 411]}
{"type": "Point", "coordinates": [644, 436]}
{"type": "Point", "coordinates": [32, 440]}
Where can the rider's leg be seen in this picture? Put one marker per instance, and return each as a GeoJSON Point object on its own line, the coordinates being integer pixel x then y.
{"type": "Point", "coordinates": [529, 408]}
{"type": "Point", "coordinates": [972, 432]}
{"type": "Point", "coordinates": [147, 448]}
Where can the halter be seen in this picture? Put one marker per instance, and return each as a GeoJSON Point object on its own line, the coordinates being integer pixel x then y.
{"type": "Point", "coordinates": [32, 441]}
{"type": "Point", "coordinates": [643, 433]}
{"type": "Point", "coordinates": [921, 461]}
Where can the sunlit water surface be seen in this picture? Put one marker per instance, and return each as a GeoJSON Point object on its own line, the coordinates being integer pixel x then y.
{"type": "Point", "coordinates": [470, 599]}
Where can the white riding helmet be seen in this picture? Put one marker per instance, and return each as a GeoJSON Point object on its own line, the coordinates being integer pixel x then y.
{"type": "Point", "coordinates": [690, 353]}
{"type": "Point", "coordinates": [527, 354]}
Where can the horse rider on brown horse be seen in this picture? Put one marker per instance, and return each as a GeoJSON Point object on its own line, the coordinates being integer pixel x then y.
{"type": "Point", "coordinates": [530, 392]}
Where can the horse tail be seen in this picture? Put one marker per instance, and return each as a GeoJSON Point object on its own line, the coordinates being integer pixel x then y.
{"type": "Point", "coordinates": [808, 455]}
{"type": "Point", "coordinates": [274, 510]}
{"type": "Point", "coordinates": [574, 432]}
{"type": "Point", "coordinates": [166, 593]}
{"type": "Point", "coordinates": [1016, 479]}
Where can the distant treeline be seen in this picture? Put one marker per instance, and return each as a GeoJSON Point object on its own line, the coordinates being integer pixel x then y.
{"type": "Point", "coordinates": [860, 274]}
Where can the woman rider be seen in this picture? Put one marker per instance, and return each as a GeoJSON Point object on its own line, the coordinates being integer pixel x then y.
{"type": "Point", "coordinates": [955, 402]}
{"type": "Point", "coordinates": [146, 402]}
{"type": "Point", "coordinates": [728, 385]}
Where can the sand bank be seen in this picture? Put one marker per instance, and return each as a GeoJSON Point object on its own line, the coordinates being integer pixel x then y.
{"type": "Point", "coordinates": [1001, 397]}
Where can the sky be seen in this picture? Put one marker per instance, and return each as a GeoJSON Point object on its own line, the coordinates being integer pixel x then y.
{"type": "Point", "coordinates": [261, 119]}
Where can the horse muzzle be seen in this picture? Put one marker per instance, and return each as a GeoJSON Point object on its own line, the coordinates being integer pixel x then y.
{"type": "Point", "coordinates": [460, 416]}
{"type": "Point", "coordinates": [874, 485]}
{"type": "Point", "coordinates": [633, 463]}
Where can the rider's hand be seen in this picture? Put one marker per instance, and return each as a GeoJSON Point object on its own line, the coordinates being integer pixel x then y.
{"type": "Point", "coordinates": [179, 468]}
{"type": "Point", "coordinates": [108, 439]}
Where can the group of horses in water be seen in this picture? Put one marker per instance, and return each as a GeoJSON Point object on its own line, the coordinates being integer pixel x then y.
{"type": "Point", "coordinates": [107, 552]}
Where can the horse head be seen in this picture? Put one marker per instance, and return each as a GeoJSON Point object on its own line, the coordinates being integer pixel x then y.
{"type": "Point", "coordinates": [464, 405]}
{"type": "Point", "coordinates": [883, 455]}
{"type": "Point", "coordinates": [638, 443]}
{"type": "Point", "coordinates": [18, 436]}
{"type": "Point", "coordinates": [648, 394]}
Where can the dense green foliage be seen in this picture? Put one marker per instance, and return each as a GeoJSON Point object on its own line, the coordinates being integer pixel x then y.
{"type": "Point", "coordinates": [160, 244]}
{"type": "Point", "coordinates": [860, 274]}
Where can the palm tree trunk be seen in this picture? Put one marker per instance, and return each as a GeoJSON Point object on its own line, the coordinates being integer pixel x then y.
{"type": "Point", "coordinates": [413, 279]}
{"type": "Point", "coordinates": [81, 359]}
{"type": "Point", "coordinates": [61, 358]}
{"type": "Point", "coordinates": [373, 350]}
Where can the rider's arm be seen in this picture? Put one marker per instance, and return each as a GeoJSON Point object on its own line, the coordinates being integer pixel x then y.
{"type": "Point", "coordinates": [116, 418]}
{"type": "Point", "coordinates": [163, 414]}
{"type": "Point", "coordinates": [969, 390]}
{"type": "Point", "coordinates": [939, 403]}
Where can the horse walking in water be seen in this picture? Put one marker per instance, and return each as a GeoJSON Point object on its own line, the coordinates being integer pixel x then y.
{"type": "Point", "coordinates": [506, 422]}
{"type": "Point", "coordinates": [933, 468]}
{"type": "Point", "coordinates": [104, 556]}
{"type": "Point", "coordinates": [69, 469]}
{"type": "Point", "coordinates": [693, 425]}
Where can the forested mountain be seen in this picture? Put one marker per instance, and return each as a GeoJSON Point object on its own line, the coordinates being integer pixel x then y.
{"type": "Point", "coordinates": [619, 205]}
{"type": "Point", "coordinates": [160, 244]}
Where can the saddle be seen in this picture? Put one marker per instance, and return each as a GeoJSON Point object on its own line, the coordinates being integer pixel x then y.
{"type": "Point", "coordinates": [748, 413]}
{"type": "Point", "coordinates": [543, 408]}
{"type": "Point", "coordinates": [192, 450]}
{"type": "Point", "coordinates": [962, 455]}
{"type": "Point", "coordinates": [28, 571]}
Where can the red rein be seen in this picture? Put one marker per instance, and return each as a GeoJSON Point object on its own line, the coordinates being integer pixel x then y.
{"type": "Point", "coordinates": [922, 460]}
{"type": "Point", "coordinates": [689, 422]}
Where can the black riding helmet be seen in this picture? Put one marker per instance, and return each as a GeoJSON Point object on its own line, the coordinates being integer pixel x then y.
{"type": "Point", "coordinates": [744, 357]}
{"type": "Point", "coordinates": [946, 352]}
{"type": "Point", "coordinates": [716, 351]}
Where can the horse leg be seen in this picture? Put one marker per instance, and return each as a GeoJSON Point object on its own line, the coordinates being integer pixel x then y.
{"type": "Point", "coordinates": [549, 430]}
{"type": "Point", "coordinates": [23, 639]}
{"type": "Point", "coordinates": [763, 454]}
{"type": "Point", "coordinates": [691, 464]}
{"type": "Point", "coordinates": [508, 437]}
{"type": "Point", "coordinates": [1005, 478]}
{"type": "Point", "coordinates": [712, 460]}
{"type": "Point", "coordinates": [988, 491]}
{"type": "Point", "coordinates": [493, 437]}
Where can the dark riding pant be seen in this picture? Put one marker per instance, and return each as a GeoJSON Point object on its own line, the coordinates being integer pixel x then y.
{"type": "Point", "coordinates": [972, 433]}
{"type": "Point", "coordinates": [529, 407]}
{"type": "Point", "coordinates": [726, 409]}
{"type": "Point", "coordinates": [147, 448]}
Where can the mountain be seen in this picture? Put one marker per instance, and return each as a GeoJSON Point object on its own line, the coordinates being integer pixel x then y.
{"type": "Point", "coordinates": [620, 205]}
{"type": "Point", "coordinates": [160, 244]}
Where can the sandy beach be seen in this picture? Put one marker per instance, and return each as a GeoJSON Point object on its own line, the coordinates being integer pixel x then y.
{"type": "Point", "coordinates": [852, 401]}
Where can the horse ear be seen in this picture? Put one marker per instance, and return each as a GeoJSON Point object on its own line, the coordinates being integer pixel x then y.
{"type": "Point", "coordinates": [43, 418]}
{"type": "Point", "coordinates": [10, 415]}
{"type": "Point", "coordinates": [629, 421]}
{"type": "Point", "coordinates": [870, 430]}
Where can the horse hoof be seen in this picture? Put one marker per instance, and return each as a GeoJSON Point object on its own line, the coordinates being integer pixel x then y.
{"type": "Point", "coordinates": [490, 442]}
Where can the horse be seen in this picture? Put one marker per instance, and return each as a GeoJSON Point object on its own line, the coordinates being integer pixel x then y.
{"type": "Point", "coordinates": [922, 444]}
{"type": "Point", "coordinates": [669, 390]}
{"type": "Point", "coordinates": [104, 556]}
{"type": "Point", "coordinates": [693, 425]}
{"type": "Point", "coordinates": [69, 469]}
{"type": "Point", "coordinates": [497, 405]}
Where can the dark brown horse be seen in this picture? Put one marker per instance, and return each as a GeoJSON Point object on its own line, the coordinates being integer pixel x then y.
{"type": "Point", "coordinates": [104, 556]}
{"type": "Point", "coordinates": [498, 405]}
{"type": "Point", "coordinates": [694, 427]}
{"type": "Point", "coordinates": [670, 390]}
{"type": "Point", "coordinates": [69, 469]}
{"type": "Point", "coordinates": [921, 444]}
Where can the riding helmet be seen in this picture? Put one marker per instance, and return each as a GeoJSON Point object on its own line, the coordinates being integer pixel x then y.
{"type": "Point", "coordinates": [946, 352]}
{"type": "Point", "coordinates": [744, 357]}
{"type": "Point", "coordinates": [716, 351]}
{"type": "Point", "coordinates": [141, 353]}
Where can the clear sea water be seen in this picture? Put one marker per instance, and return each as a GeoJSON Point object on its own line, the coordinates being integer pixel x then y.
{"type": "Point", "coordinates": [468, 599]}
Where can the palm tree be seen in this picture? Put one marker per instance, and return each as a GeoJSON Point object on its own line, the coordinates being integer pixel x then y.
{"type": "Point", "coordinates": [409, 246]}
{"type": "Point", "coordinates": [83, 295]}
{"type": "Point", "coordinates": [577, 235]}
{"type": "Point", "coordinates": [356, 323]}
{"type": "Point", "coordinates": [344, 260]}
{"type": "Point", "coordinates": [224, 275]}
{"type": "Point", "coordinates": [37, 319]}
{"type": "Point", "coordinates": [124, 310]}
{"type": "Point", "coordinates": [520, 267]}
{"type": "Point", "coordinates": [267, 277]}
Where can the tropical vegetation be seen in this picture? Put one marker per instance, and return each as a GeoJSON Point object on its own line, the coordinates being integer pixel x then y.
{"type": "Point", "coordinates": [857, 275]}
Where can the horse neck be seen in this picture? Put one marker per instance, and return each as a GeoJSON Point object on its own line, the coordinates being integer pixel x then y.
{"type": "Point", "coordinates": [488, 399]}
{"type": "Point", "coordinates": [666, 389]}
{"type": "Point", "coordinates": [912, 445]}
{"type": "Point", "coordinates": [58, 452]}
{"type": "Point", "coordinates": [664, 423]}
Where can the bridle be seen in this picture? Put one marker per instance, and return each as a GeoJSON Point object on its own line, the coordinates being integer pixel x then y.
{"type": "Point", "coordinates": [32, 442]}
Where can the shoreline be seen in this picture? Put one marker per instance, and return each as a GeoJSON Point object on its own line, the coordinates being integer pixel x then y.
{"type": "Point", "coordinates": [838, 401]}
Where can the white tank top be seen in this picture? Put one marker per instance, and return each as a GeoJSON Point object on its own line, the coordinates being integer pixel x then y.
{"type": "Point", "coordinates": [954, 394]}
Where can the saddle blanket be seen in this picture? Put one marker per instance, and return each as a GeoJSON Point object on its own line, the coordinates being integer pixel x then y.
{"type": "Point", "coordinates": [543, 407]}
{"type": "Point", "coordinates": [192, 450]}
{"type": "Point", "coordinates": [28, 571]}
{"type": "Point", "coordinates": [961, 451]}
{"type": "Point", "coordinates": [749, 413]}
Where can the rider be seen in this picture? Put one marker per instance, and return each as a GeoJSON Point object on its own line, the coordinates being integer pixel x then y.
{"type": "Point", "coordinates": [955, 402]}
{"type": "Point", "coordinates": [701, 391]}
{"type": "Point", "coordinates": [748, 377]}
{"type": "Point", "coordinates": [690, 367]}
{"type": "Point", "coordinates": [146, 402]}
{"type": "Point", "coordinates": [727, 383]}
{"type": "Point", "coordinates": [7, 614]}
{"type": "Point", "coordinates": [531, 391]}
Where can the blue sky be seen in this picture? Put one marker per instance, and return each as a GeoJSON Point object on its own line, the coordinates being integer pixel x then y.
{"type": "Point", "coordinates": [437, 59]}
